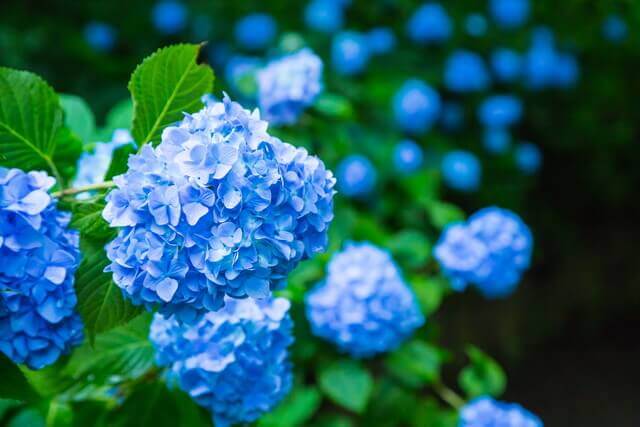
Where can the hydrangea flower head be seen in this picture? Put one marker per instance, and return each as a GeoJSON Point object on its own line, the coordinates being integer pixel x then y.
{"type": "Point", "coordinates": [491, 251]}
{"type": "Point", "coordinates": [465, 71]}
{"type": "Point", "coordinates": [509, 13]}
{"type": "Point", "coordinates": [485, 411]}
{"type": "Point", "coordinates": [100, 36]}
{"type": "Point", "coordinates": [255, 31]}
{"type": "Point", "coordinates": [363, 306]}
{"type": "Point", "coordinates": [93, 167]}
{"type": "Point", "coordinates": [430, 24]}
{"type": "Point", "coordinates": [219, 208]}
{"type": "Point", "coordinates": [496, 140]}
{"type": "Point", "coordinates": [326, 16]}
{"type": "Point", "coordinates": [349, 53]}
{"type": "Point", "coordinates": [528, 158]}
{"type": "Point", "coordinates": [461, 170]}
{"type": "Point", "coordinates": [500, 111]}
{"type": "Point", "coordinates": [475, 24]}
{"type": "Point", "coordinates": [506, 65]}
{"type": "Point", "coordinates": [407, 157]}
{"type": "Point", "coordinates": [356, 176]}
{"type": "Point", "coordinates": [381, 40]}
{"type": "Point", "coordinates": [169, 16]}
{"type": "Point", "coordinates": [38, 320]}
{"type": "Point", "coordinates": [233, 362]}
{"type": "Point", "coordinates": [567, 72]}
{"type": "Point", "coordinates": [416, 106]}
{"type": "Point", "coordinates": [288, 85]}
{"type": "Point", "coordinates": [614, 29]}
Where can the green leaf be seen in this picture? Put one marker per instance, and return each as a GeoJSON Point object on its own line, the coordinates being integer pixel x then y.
{"type": "Point", "coordinates": [29, 417]}
{"type": "Point", "coordinates": [119, 117]}
{"type": "Point", "coordinates": [87, 219]}
{"type": "Point", "coordinates": [100, 301]}
{"type": "Point", "coordinates": [333, 105]}
{"type": "Point", "coordinates": [14, 385]}
{"type": "Point", "coordinates": [30, 121]}
{"type": "Point", "coordinates": [441, 213]}
{"type": "Point", "coordinates": [167, 84]}
{"type": "Point", "coordinates": [410, 247]}
{"type": "Point", "coordinates": [416, 363]}
{"type": "Point", "coordinates": [119, 161]}
{"type": "Point", "coordinates": [348, 384]}
{"type": "Point", "coordinates": [295, 410]}
{"type": "Point", "coordinates": [78, 117]}
{"type": "Point", "coordinates": [430, 291]}
{"type": "Point", "coordinates": [59, 414]}
{"type": "Point", "coordinates": [7, 405]}
{"type": "Point", "coordinates": [430, 414]}
{"type": "Point", "coordinates": [483, 376]}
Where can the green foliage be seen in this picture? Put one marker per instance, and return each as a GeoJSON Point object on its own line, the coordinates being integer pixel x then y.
{"type": "Point", "coordinates": [295, 410]}
{"type": "Point", "coordinates": [347, 383]}
{"type": "Point", "coordinates": [483, 376]}
{"type": "Point", "coordinates": [119, 161]}
{"type": "Point", "coordinates": [167, 84]}
{"type": "Point", "coordinates": [416, 363]}
{"type": "Point", "coordinates": [87, 218]}
{"type": "Point", "coordinates": [14, 385]}
{"type": "Point", "coordinates": [78, 117]}
{"type": "Point", "coordinates": [59, 414]}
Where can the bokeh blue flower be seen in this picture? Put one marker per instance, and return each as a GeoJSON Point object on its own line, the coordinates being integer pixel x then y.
{"type": "Point", "coordinates": [416, 106]}
{"type": "Point", "coordinates": [506, 65]}
{"type": "Point", "coordinates": [485, 411]}
{"type": "Point", "coordinates": [363, 306]}
{"type": "Point", "coordinates": [465, 71]}
{"type": "Point", "coordinates": [326, 16]}
{"type": "Point", "coordinates": [234, 362]}
{"type": "Point", "coordinates": [528, 158]}
{"type": "Point", "coordinates": [169, 16]}
{"type": "Point", "coordinates": [219, 208]}
{"type": "Point", "coordinates": [452, 116]}
{"type": "Point", "coordinates": [475, 25]}
{"type": "Point", "coordinates": [93, 166]}
{"type": "Point", "coordinates": [288, 85]}
{"type": "Point", "coordinates": [614, 29]}
{"type": "Point", "coordinates": [356, 176]}
{"type": "Point", "coordinates": [500, 111]}
{"type": "Point", "coordinates": [407, 157]}
{"type": "Point", "coordinates": [255, 31]}
{"type": "Point", "coordinates": [100, 36]}
{"type": "Point", "coordinates": [509, 13]}
{"type": "Point", "coordinates": [491, 251]}
{"type": "Point", "coordinates": [39, 253]}
{"type": "Point", "coordinates": [349, 53]}
{"type": "Point", "coordinates": [381, 40]}
{"type": "Point", "coordinates": [496, 140]}
{"type": "Point", "coordinates": [430, 24]}
{"type": "Point", "coordinates": [461, 170]}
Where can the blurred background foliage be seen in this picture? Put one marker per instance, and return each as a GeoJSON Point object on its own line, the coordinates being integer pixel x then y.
{"type": "Point", "coordinates": [567, 336]}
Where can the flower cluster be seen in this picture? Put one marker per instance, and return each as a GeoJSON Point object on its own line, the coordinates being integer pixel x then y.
{"type": "Point", "coordinates": [461, 170]}
{"type": "Point", "coordinates": [39, 256]}
{"type": "Point", "coordinates": [350, 53]}
{"type": "Point", "coordinates": [416, 106]}
{"type": "Point", "coordinates": [169, 16]}
{"type": "Point", "coordinates": [363, 306]}
{"type": "Point", "coordinates": [465, 71]}
{"type": "Point", "coordinates": [491, 250]}
{"type": "Point", "coordinates": [509, 13]}
{"type": "Point", "coordinates": [219, 208]}
{"type": "Point", "coordinates": [100, 36]}
{"type": "Point", "coordinates": [407, 157]}
{"type": "Point", "coordinates": [288, 85]}
{"type": "Point", "coordinates": [528, 158]}
{"type": "Point", "coordinates": [93, 167]}
{"type": "Point", "coordinates": [485, 411]}
{"type": "Point", "coordinates": [255, 31]}
{"type": "Point", "coordinates": [326, 16]}
{"type": "Point", "coordinates": [356, 176]}
{"type": "Point", "coordinates": [233, 362]}
{"type": "Point", "coordinates": [430, 24]}
{"type": "Point", "coordinates": [500, 111]}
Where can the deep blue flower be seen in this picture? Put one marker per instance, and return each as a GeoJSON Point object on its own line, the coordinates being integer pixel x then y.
{"type": "Point", "coordinates": [491, 251]}
{"type": "Point", "coordinates": [100, 36]}
{"type": "Point", "coordinates": [39, 256]}
{"type": "Point", "coordinates": [528, 158]}
{"type": "Point", "coordinates": [465, 71]}
{"type": "Point", "coordinates": [241, 74]}
{"type": "Point", "coordinates": [234, 362]}
{"type": "Point", "coordinates": [614, 29]}
{"type": "Point", "coordinates": [255, 31]}
{"type": "Point", "coordinates": [429, 24]}
{"type": "Point", "coordinates": [407, 157]}
{"type": "Point", "coordinates": [486, 412]}
{"type": "Point", "coordinates": [381, 40]}
{"type": "Point", "coordinates": [500, 111]}
{"type": "Point", "coordinates": [452, 116]}
{"type": "Point", "coordinates": [461, 170]}
{"type": "Point", "coordinates": [496, 140]}
{"type": "Point", "coordinates": [219, 208]}
{"type": "Point", "coordinates": [506, 65]}
{"type": "Point", "coordinates": [93, 166]}
{"type": "Point", "coordinates": [356, 176]}
{"type": "Point", "coordinates": [363, 306]}
{"type": "Point", "coordinates": [567, 71]}
{"type": "Point", "coordinates": [509, 13]}
{"type": "Point", "coordinates": [476, 25]}
{"type": "Point", "coordinates": [349, 53]}
{"type": "Point", "coordinates": [169, 16]}
{"type": "Point", "coordinates": [326, 16]}
{"type": "Point", "coordinates": [288, 85]}
{"type": "Point", "coordinates": [416, 106]}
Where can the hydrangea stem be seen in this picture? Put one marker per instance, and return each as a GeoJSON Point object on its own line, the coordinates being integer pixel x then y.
{"type": "Point", "coordinates": [448, 395]}
{"type": "Point", "coordinates": [83, 189]}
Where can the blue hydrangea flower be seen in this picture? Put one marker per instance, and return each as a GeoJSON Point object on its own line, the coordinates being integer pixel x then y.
{"type": "Point", "coordinates": [416, 106]}
{"type": "Point", "coordinates": [614, 29]}
{"type": "Point", "coordinates": [219, 208]}
{"type": "Point", "coordinates": [255, 31]}
{"type": "Point", "coordinates": [491, 251]}
{"type": "Point", "coordinates": [93, 166]}
{"type": "Point", "coordinates": [234, 362]}
{"type": "Point", "coordinates": [475, 24]}
{"type": "Point", "coordinates": [349, 53]}
{"type": "Point", "coordinates": [38, 318]}
{"type": "Point", "coordinates": [356, 176]}
{"type": "Point", "coordinates": [496, 140]}
{"type": "Point", "coordinates": [363, 306]}
{"type": "Point", "coordinates": [544, 66]}
{"type": "Point", "coordinates": [381, 40]}
{"type": "Point", "coordinates": [429, 24]}
{"type": "Point", "coordinates": [461, 170]}
{"type": "Point", "coordinates": [169, 16]}
{"type": "Point", "coordinates": [486, 412]}
{"type": "Point", "coordinates": [506, 65]}
{"type": "Point", "coordinates": [288, 85]}
{"type": "Point", "coordinates": [100, 36]}
{"type": "Point", "coordinates": [407, 157]}
{"type": "Point", "coordinates": [528, 158]}
{"type": "Point", "coordinates": [326, 16]}
{"type": "Point", "coordinates": [509, 13]}
{"type": "Point", "coordinates": [241, 75]}
{"type": "Point", "coordinates": [465, 71]}
{"type": "Point", "coordinates": [567, 72]}
{"type": "Point", "coordinates": [452, 116]}
{"type": "Point", "coordinates": [500, 111]}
